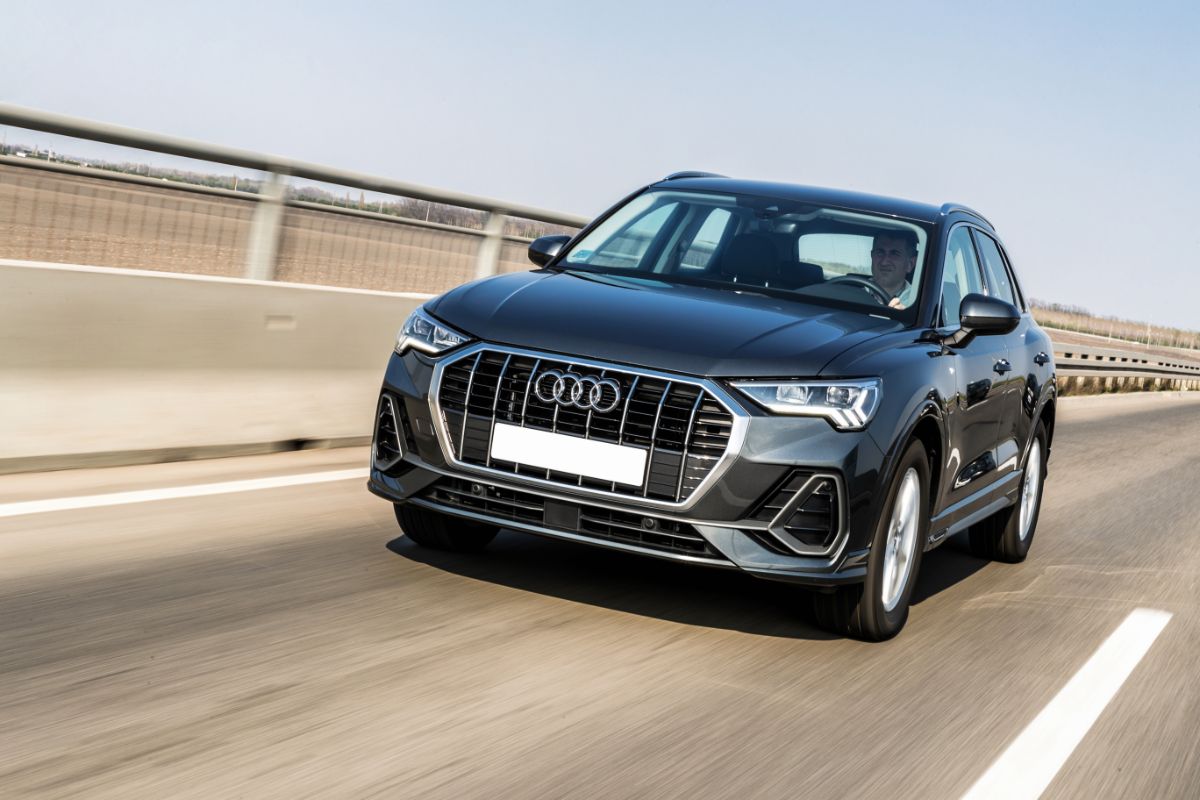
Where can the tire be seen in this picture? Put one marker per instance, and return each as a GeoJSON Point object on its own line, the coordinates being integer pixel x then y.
{"type": "Point", "coordinates": [444, 532]}
{"type": "Point", "coordinates": [878, 608]}
{"type": "Point", "coordinates": [1002, 537]}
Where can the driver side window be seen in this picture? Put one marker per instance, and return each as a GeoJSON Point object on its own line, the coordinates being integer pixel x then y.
{"type": "Point", "coordinates": [960, 274]}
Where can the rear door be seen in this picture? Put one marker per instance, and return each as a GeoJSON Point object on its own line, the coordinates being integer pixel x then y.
{"type": "Point", "coordinates": [1028, 348]}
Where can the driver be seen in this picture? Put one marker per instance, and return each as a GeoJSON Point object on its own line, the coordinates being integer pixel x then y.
{"type": "Point", "coordinates": [893, 256]}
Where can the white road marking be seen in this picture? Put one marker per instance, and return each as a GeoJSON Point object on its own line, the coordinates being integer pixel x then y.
{"type": "Point", "coordinates": [175, 492]}
{"type": "Point", "coordinates": [1026, 768]}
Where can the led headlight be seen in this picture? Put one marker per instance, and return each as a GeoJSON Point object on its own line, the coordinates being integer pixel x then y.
{"type": "Point", "coordinates": [422, 332]}
{"type": "Point", "coordinates": [849, 405]}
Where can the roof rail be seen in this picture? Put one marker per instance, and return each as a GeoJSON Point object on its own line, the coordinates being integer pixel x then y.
{"type": "Point", "coordinates": [948, 208]}
{"type": "Point", "coordinates": [674, 176]}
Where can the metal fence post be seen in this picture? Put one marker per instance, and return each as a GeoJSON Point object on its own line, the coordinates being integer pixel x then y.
{"type": "Point", "coordinates": [487, 262]}
{"type": "Point", "coordinates": [265, 228]}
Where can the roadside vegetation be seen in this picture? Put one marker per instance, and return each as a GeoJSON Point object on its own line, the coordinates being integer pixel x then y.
{"type": "Point", "coordinates": [1080, 320]}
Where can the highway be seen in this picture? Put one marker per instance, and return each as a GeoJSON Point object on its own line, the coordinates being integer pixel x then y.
{"type": "Point", "coordinates": [290, 642]}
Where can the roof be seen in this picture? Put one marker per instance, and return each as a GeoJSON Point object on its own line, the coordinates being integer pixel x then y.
{"type": "Point", "coordinates": [839, 198]}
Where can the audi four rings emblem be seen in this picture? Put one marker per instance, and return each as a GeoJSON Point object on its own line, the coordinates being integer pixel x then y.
{"type": "Point", "coordinates": [585, 392]}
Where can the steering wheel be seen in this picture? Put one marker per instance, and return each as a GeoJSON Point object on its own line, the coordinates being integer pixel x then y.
{"type": "Point", "coordinates": [863, 283]}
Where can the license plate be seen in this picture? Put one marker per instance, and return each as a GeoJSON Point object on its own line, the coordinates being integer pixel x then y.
{"type": "Point", "coordinates": [587, 457]}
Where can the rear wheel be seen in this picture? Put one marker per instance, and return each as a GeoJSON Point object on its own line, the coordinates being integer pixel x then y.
{"type": "Point", "coordinates": [442, 531]}
{"type": "Point", "coordinates": [1008, 534]}
{"type": "Point", "coordinates": [878, 608]}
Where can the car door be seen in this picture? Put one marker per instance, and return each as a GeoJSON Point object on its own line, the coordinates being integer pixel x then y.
{"type": "Point", "coordinates": [975, 413]}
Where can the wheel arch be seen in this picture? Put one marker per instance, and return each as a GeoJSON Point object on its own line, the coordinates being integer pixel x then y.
{"type": "Point", "coordinates": [927, 425]}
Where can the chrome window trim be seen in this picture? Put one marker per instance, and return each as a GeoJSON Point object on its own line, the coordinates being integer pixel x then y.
{"type": "Point", "coordinates": [737, 433]}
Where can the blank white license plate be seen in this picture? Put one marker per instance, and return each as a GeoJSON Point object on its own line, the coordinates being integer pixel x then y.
{"type": "Point", "coordinates": [600, 460]}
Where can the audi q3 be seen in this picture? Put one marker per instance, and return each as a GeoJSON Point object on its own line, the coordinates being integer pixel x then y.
{"type": "Point", "coordinates": [807, 385]}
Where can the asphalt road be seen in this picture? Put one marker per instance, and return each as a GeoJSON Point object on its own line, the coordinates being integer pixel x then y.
{"type": "Point", "coordinates": [291, 643]}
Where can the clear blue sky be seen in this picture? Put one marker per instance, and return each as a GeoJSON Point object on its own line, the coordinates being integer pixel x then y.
{"type": "Point", "coordinates": [1075, 127]}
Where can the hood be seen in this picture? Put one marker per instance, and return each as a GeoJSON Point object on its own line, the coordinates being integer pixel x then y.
{"type": "Point", "coordinates": [644, 322]}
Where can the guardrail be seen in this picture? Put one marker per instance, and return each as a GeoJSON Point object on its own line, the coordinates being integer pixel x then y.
{"type": "Point", "coordinates": [1122, 369]}
{"type": "Point", "coordinates": [78, 214]}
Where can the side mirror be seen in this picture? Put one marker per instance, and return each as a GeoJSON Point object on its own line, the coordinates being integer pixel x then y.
{"type": "Point", "coordinates": [983, 315]}
{"type": "Point", "coordinates": [980, 315]}
{"type": "Point", "coordinates": [545, 248]}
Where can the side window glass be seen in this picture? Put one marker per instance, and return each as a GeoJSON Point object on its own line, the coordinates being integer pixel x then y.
{"type": "Point", "coordinates": [627, 248]}
{"type": "Point", "coordinates": [960, 275]}
{"type": "Point", "coordinates": [705, 242]}
{"type": "Point", "coordinates": [993, 263]}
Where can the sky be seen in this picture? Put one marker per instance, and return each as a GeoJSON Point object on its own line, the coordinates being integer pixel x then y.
{"type": "Point", "coordinates": [1074, 127]}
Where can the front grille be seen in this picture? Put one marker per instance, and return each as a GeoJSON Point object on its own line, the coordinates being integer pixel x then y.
{"type": "Point", "coordinates": [682, 426]}
{"type": "Point", "coordinates": [655, 533]}
{"type": "Point", "coordinates": [815, 522]}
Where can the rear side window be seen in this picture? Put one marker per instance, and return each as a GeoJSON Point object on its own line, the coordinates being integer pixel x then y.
{"type": "Point", "coordinates": [960, 275]}
{"type": "Point", "coordinates": [998, 284]}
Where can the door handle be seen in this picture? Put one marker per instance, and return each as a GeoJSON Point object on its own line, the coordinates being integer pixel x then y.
{"type": "Point", "coordinates": [1041, 359]}
{"type": "Point", "coordinates": [1002, 366]}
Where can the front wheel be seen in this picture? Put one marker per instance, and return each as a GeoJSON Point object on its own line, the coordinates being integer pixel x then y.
{"type": "Point", "coordinates": [442, 531]}
{"type": "Point", "coordinates": [878, 608]}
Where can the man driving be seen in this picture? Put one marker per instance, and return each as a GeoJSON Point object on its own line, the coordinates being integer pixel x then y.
{"type": "Point", "coordinates": [893, 256]}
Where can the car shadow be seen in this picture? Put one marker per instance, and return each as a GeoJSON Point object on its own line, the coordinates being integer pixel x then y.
{"type": "Point", "coordinates": [634, 584]}
{"type": "Point", "coordinates": [944, 567]}
{"type": "Point", "coordinates": [690, 595]}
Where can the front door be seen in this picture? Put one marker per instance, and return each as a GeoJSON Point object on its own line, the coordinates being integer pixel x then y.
{"type": "Point", "coordinates": [981, 369]}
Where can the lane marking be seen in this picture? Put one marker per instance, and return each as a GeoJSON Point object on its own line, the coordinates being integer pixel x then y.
{"type": "Point", "coordinates": [175, 492]}
{"type": "Point", "coordinates": [1032, 760]}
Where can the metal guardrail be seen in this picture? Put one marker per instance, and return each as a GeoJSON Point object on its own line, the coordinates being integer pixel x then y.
{"type": "Point", "coordinates": [248, 226]}
{"type": "Point", "coordinates": [1077, 363]}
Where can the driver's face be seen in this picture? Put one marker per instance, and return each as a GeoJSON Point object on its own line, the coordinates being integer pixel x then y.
{"type": "Point", "coordinates": [890, 262]}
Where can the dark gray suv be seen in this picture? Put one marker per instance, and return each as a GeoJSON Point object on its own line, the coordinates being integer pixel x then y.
{"type": "Point", "coordinates": [809, 385]}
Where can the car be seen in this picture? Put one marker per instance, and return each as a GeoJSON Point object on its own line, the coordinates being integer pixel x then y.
{"type": "Point", "coordinates": [809, 385]}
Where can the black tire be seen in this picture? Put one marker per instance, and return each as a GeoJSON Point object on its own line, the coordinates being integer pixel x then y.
{"type": "Point", "coordinates": [444, 532]}
{"type": "Point", "coordinates": [858, 611]}
{"type": "Point", "coordinates": [998, 538]}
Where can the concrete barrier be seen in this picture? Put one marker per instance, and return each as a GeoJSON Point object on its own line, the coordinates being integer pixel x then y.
{"type": "Point", "coordinates": [108, 366]}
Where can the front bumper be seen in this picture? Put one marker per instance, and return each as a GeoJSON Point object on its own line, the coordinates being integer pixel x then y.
{"type": "Point", "coordinates": [728, 522]}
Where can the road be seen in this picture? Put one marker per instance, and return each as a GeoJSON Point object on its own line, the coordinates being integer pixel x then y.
{"type": "Point", "coordinates": [289, 642]}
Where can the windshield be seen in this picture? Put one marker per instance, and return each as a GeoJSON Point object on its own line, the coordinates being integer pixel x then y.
{"type": "Point", "coordinates": [828, 256]}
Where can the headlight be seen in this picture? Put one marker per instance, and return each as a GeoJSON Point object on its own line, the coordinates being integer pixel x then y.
{"type": "Point", "coordinates": [422, 332]}
{"type": "Point", "coordinates": [849, 405]}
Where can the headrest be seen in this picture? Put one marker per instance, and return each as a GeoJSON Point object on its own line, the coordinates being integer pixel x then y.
{"type": "Point", "coordinates": [798, 274]}
{"type": "Point", "coordinates": [750, 258]}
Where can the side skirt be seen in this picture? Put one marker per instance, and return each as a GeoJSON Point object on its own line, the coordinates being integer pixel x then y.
{"type": "Point", "coordinates": [976, 508]}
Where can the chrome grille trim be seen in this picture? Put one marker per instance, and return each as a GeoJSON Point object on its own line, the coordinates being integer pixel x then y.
{"type": "Point", "coordinates": [654, 441]}
{"type": "Point", "coordinates": [687, 439]}
{"type": "Point", "coordinates": [737, 431]}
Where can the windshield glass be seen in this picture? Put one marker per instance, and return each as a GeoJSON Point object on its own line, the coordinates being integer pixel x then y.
{"type": "Point", "coordinates": [828, 256]}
